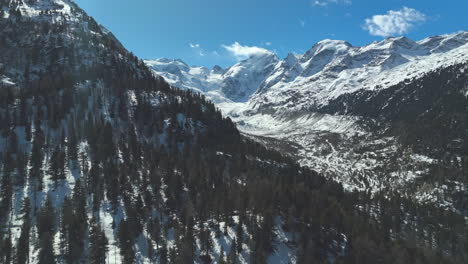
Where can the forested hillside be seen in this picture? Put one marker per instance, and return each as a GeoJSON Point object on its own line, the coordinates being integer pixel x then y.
{"type": "Point", "coordinates": [102, 162]}
{"type": "Point", "coordinates": [426, 115]}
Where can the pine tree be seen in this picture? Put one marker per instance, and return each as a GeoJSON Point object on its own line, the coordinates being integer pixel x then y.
{"type": "Point", "coordinates": [173, 255]}
{"type": "Point", "coordinates": [21, 167]}
{"type": "Point", "coordinates": [6, 182]}
{"type": "Point", "coordinates": [57, 166]}
{"type": "Point", "coordinates": [46, 218]}
{"type": "Point", "coordinates": [77, 223]}
{"type": "Point", "coordinates": [98, 244]}
{"type": "Point", "coordinates": [221, 257]}
{"type": "Point", "coordinates": [149, 243]}
{"type": "Point", "coordinates": [27, 131]}
{"type": "Point", "coordinates": [65, 221]}
{"type": "Point", "coordinates": [6, 249]}
{"type": "Point", "coordinates": [206, 241]}
{"type": "Point", "coordinates": [112, 184]}
{"type": "Point", "coordinates": [22, 247]}
{"type": "Point", "coordinates": [72, 142]}
{"type": "Point", "coordinates": [46, 227]}
{"type": "Point", "coordinates": [163, 254]}
{"type": "Point", "coordinates": [46, 251]}
{"type": "Point", "coordinates": [105, 144]}
{"type": "Point", "coordinates": [37, 155]}
{"type": "Point", "coordinates": [154, 228]}
{"type": "Point", "coordinates": [232, 256]}
{"type": "Point", "coordinates": [6, 189]}
{"type": "Point", "coordinates": [239, 236]}
{"type": "Point", "coordinates": [126, 242]}
{"type": "Point", "coordinates": [8, 161]}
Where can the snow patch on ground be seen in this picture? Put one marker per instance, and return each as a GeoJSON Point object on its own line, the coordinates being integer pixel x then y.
{"type": "Point", "coordinates": [6, 81]}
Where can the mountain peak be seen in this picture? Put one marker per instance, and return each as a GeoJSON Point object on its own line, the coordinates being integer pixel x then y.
{"type": "Point", "coordinates": [333, 42]}
{"type": "Point", "coordinates": [443, 43]}
{"type": "Point", "coordinates": [166, 61]}
{"type": "Point", "coordinates": [400, 42]}
{"type": "Point", "coordinates": [291, 59]}
{"type": "Point", "coordinates": [328, 46]}
{"type": "Point", "coordinates": [44, 7]}
{"type": "Point", "coordinates": [267, 55]}
{"type": "Point", "coordinates": [218, 69]}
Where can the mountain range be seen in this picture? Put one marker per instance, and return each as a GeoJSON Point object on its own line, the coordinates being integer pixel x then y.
{"type": "Point", "coordinates": [329, 69]}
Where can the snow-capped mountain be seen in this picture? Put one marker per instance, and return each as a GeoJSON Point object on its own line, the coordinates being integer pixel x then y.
{"type": "Point", "coordinates": [329, 69]}
{"type": "Point", "coordinates": [47, 14]}
{"type": "Point", "coordinates": [333, 68]}
{"type": "Point", "coordinates": [179, 74]}
{"type": "Point", "coordinates": [237, 83]}
{"type": "Point", "coordinates": [336, 98]}
{"type": "Point", "coordinates": [242, 80]}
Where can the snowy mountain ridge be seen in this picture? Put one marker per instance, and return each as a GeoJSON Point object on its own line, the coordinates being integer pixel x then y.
{"type": "Point", "coordinates": [42, 10]}
{"type": "Point", "coordinates": [57, 12]}
{"type": "Point", "coordinates": [329, 69]}
{"type": "Point", "coordinates": [333, 69]}
{"type": "Point", "coordinates": [237, 83]}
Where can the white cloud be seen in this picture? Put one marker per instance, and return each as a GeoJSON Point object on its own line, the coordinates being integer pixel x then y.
{"type": "Point", "coordinates": [328, 2]}
{"type": "Point", "coordinates": [194, 46]}
{"type": "Point", "coordinates": [394, 22]}
{"type": "Point", "coordinates": [268, 43]}
{"type": "Point", "coordinates": [197, 49]}
{"type": "Point", "coordinates": [320, 3]}
{"type": "Point", "coordinates": [242, 52]}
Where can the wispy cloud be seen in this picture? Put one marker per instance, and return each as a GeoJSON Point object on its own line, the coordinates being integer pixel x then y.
{"type": "Point", "coordinates": [194, 46]}
{"type": "Point", "coordinates": [395, 22]}
{"type": "Point", "coordinates": [323, 3]}
{"type": "Point", "coordinates": [241, 52]}
{"type": "Point", "coordinates": [302, 22]}
{"type": "Point", "coordinates": [198, 49]}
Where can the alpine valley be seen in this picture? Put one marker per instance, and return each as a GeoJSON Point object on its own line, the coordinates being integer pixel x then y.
{"type": "Point", "coordinates": [341, 155]}
{"type": "Point", "coordinates": [389, 116]}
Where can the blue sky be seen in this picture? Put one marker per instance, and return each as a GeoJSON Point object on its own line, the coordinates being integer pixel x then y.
{"type": "Point", "coordinates": [210, 32]}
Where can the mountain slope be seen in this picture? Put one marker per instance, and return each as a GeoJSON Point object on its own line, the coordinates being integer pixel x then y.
{"type": "Point", "coordinates": [104, 163]}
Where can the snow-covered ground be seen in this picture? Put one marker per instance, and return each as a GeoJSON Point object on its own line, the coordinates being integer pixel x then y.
{"type": "Point", "coordinates": [6, 81]}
